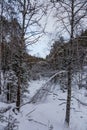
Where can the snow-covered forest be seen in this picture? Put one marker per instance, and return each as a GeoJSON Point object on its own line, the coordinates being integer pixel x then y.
{"type": "Point", "coordinates": [39, 93]}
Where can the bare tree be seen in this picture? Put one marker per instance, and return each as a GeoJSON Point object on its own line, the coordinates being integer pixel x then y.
{"type": "Point", "coordinates": [1, 39]}
{"type": "Point", "coordinates": [30, 13]}
{"type": "Point", "coordinates": [70, 14]}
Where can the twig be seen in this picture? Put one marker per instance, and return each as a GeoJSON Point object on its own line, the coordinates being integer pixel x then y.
{"type": "Point", "coordinates": [37, 122]}
{"type": "Point", "coordinates": [83, 103]}
{"type": "Point", "coordinates": [3, 110]}
{"type": "Point", "coordinates": [62, 103]}
{"type": "Point", "coordinates": [31, 112]}
{"type": "Point", "coordinates": [61, 99]}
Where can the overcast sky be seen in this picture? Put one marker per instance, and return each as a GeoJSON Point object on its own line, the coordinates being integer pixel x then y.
{"type": "Point", "coordinates": [42, 47]}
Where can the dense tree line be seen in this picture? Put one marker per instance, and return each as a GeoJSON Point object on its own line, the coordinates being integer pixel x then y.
{"type": "Point", "coordinates": [17, 20]}
{"type": "Point", "coordinates": [10, 52]}
{"type": "Point", "coordinates": [59, 53]}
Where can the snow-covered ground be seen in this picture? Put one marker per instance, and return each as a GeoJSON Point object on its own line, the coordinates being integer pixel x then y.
{"type": "Point", "coordinates": [50, 113]}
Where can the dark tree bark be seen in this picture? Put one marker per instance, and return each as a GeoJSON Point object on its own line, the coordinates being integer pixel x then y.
{"type": "Point", "coordinates": [70, 22]}
{"type": "Point", "coordinates": [1, 40]}
{"type": "Point", "coordinates": [18, 93]}
{"type": "Point", "coordinates": [21, 56]}
{"type": "Point", "coordinates": [67, 118]}
{"type": "Point", "coordinates": [8, 92]}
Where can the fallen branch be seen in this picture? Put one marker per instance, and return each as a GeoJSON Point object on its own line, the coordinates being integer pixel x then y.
{"type": "Point", "coordinates": [43, 88]}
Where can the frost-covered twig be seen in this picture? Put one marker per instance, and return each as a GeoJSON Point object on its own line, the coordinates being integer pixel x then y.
{"type": "Point", "coordinates": [30, 112]}
{"type": "Point", "coordinates": [83, 103]}
{"type": "Point", "coordinates": [62, 103]}
{"type": "Point", "coordinates": [61, 99]}
{"type": "Point", "coordinates": [3, 110]}
{"type": "Point", "coordinates": [37, 122]}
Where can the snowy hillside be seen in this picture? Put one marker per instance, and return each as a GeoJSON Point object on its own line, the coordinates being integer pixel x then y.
{"type": "Point", "coordinates": [49, 114]}
{"type": "Point", "coordinates": [43, 93]}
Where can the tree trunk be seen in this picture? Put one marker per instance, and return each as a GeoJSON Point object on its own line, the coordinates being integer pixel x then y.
{"type": "Point", "coordinates": [1, 40]}
{"type": "Point", "coordinates": [67, 118]}
{"type": "Point", "coordinates": [0, 80]}
{"type": "Point", "coordinates": [8, 92]}
{"type": "Point", "coordinates": [18, 93]}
